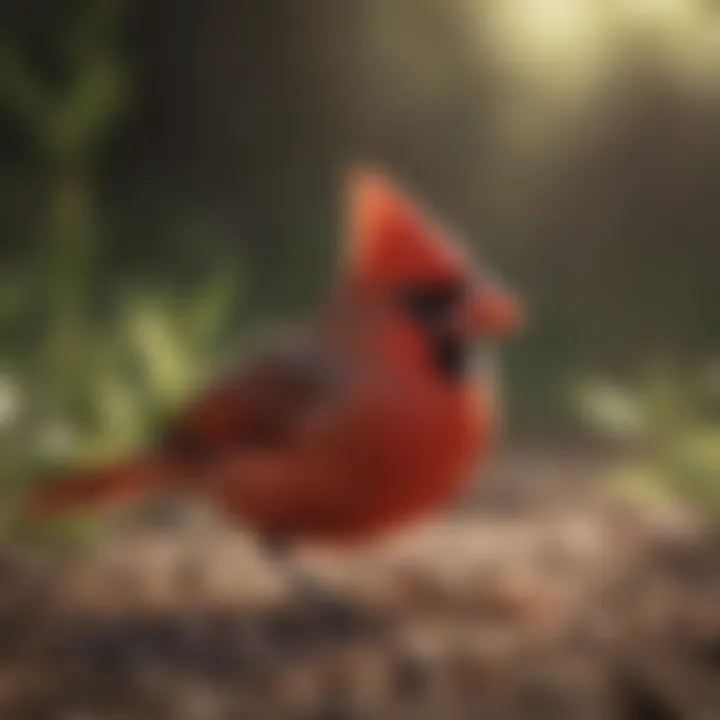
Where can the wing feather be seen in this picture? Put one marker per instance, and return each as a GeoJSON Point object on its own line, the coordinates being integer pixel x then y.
{"type": "Point", "coordinates": [259, 407]}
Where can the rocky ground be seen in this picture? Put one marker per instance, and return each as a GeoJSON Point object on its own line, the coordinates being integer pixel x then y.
{"type": "Point", "coordinates": [537, 597]}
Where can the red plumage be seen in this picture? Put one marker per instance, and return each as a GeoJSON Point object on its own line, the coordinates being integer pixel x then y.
{"type": "Point", "coordinates": [367, 421]}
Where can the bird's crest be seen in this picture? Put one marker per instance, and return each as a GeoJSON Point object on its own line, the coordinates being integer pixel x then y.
{"type": "Point", "coordinates": [392, 240]}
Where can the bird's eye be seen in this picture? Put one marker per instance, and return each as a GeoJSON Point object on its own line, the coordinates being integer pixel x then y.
{"type": "Point", "coordinates": [431, 303]}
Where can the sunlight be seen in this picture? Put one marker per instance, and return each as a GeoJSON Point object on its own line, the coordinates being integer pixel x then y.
{"type": "Point", "coordinates": [549, 27]}
{"type": "Point", "coordinates": [666, 11]}
{"type": "Point", "coordinates": [568, 44]}
{"type": "Point", "coordinates": [553, 41]}
{"type": "Point", "coordinates": [685, 32]}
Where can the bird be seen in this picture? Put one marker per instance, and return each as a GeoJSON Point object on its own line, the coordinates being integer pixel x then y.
{"type": "Point", "coordinates": [366, 419]}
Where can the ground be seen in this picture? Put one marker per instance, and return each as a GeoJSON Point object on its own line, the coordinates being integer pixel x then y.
{"type": "Point", "coordinates": [538, 596]}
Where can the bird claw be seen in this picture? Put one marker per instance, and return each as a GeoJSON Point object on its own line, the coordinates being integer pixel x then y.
{"type": "Point", "coordinates": [334, 619]}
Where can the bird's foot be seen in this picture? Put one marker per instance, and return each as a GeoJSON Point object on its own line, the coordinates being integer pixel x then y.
{"type": "Point", "coordinates": [324, 615]}
{"type": "Point", "coordinates": [333, 618]}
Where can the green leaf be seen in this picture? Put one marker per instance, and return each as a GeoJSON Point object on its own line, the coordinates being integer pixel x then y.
{"type": "Point", "coordinates": [154, 335]}
{"type": "Point", "coordinates": [210, 308]}
{"type": "Point", "coordinates": [87, 111]}
{"type": "Point", "coordinates": [612, 409]}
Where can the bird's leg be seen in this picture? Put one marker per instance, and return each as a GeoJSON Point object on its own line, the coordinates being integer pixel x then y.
{"type": "Point", "coordinates": [330, 615]}
{"type": "Point", "coordinates": [192, 578]}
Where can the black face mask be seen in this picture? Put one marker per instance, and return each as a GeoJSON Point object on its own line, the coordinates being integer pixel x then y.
{"type": "Point", "coordinates": [432, 307]}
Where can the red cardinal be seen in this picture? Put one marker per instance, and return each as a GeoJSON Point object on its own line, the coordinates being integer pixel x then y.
{"type": "Point", "coordinates": [369, 420]}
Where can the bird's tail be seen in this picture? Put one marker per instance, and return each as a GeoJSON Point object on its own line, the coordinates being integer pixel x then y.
{"type": "Point", "coordinates": [84, 492]}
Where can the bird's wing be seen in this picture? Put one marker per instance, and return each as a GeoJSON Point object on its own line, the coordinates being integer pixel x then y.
{"type": "Point", "coordinates": [259, 407]}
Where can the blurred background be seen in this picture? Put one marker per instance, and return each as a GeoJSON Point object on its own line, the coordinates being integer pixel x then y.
{"type": "Point", "coordinates": [169, 194]}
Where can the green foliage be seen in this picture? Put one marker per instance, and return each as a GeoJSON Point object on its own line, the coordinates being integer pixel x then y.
{"type": "Point", "coordinates": [131, 376]}
{"type": "Point", "coordinates": [673, 418]}
{"type": "Point", "coordinates": [78, 386]}
{"type": "Point", "coordinates": [144, 365]}
{"type": "Point", "coordinates": [68, 122]}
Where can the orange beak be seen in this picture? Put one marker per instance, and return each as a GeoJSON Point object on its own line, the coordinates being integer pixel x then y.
{"type": "Point", "coordinates": [494, 312]}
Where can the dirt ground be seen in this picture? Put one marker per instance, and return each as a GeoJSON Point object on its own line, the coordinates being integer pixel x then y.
{"type": "Point", "coordinates": [537, 597]}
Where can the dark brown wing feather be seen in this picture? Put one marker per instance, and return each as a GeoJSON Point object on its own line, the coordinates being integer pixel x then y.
{"type": "Point", "coordinates": [260, 406]}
